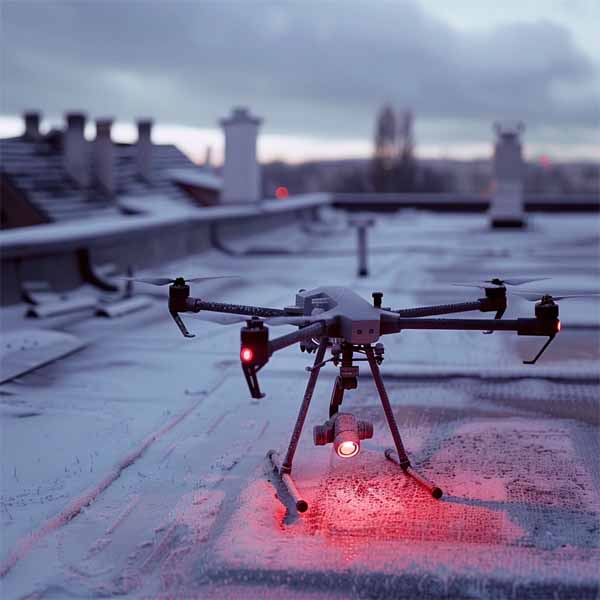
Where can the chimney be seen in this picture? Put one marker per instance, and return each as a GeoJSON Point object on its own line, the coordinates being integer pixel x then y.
{"type": "Point", "coordinates": [75, 150]}
{"type": "Point", "coordinates": [506, 202]}
{"type": "Point", "coordinates": [144, 149]}
{"type": "Point", "coordinates": [32, 125]}
{"type": "Point", "coordinates": [508, 156]}
{"type": "Point", "coordinates": [241, 171]}
{"type": "Point", "coordinates": [103, 157]}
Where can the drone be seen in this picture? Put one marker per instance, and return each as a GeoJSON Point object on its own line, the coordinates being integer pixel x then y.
{"type": "Point", "coordinates": [338, 320]}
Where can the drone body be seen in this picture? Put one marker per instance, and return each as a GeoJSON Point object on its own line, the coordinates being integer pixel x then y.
{"type": "Point", "coordinates": [337, 319]}
{"type": "Point", "coordinates": [358, 320]}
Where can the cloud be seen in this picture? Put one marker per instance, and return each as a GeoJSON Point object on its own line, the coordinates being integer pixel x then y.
{"type": "Point", "coordinates": [312, 68]}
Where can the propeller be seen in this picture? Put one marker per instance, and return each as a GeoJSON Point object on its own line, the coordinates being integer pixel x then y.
{"type": "Point", "coordinates": [498, 282]}
{"type": "Point", "coordinates": [540, 296]}
{"type": "Point", "coordinates": [168, 280]}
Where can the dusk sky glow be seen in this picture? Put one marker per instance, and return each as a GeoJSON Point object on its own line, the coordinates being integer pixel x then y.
{"type": "Point", "coordinates": [316, 71]}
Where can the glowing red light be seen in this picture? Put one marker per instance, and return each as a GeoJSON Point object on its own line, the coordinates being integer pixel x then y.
{"type": "Point", "coordinates": [281, 193]}
{"type": "Point", "coordinates": [246, 355]}
{"type": "Point", "coordinates": [558, 326]}
{"type": "Point", "coordinates": [348, 449]}
{"type": "Point", "coordinates": [545, 161]}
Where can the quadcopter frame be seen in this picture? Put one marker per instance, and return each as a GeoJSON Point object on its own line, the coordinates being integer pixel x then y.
{"type": "Point", "coordinates": [318, 331]}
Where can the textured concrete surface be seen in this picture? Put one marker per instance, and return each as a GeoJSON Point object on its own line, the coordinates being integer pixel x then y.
{"type": "Point", "coordinates": [143, 471]}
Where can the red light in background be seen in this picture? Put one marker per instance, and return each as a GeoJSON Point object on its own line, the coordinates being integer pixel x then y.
{"type": "Point", "coordinates": [348, 449]}
{"type": "Point", "coordinates": [281, 193]}
{"type": "Point", "coordinates": [545, 161]}
{"type": "Point", "coordinates": [246, 355]}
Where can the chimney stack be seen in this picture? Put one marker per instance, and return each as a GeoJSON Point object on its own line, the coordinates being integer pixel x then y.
{"type": "Point", "coordinates": [241, 171]}
{"type": "Point", "coordinates": [103, 158]}
{"type": "Point", "coordinates": [144, 149]}
{"type": "Point", "coordinates": [32, 125]}
{"type": "Point", "coordinates": [75, 151]}
{"type": "Point", "coordinates": [506, 205]}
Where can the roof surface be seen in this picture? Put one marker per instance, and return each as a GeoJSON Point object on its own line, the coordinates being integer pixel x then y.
{"type": "Point", "coordinates": [36, 170]}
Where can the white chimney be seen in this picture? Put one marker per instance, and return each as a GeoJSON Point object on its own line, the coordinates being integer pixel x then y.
{"type": "Point", "coordinates": [103, 156]}
{"type": "Point", "coordinates": [241, 171]}
{"type": "Point", "coordinates": [32, 125]}
{"type": "Point", "coordinates": [75, 150]}
{"type": "Point", "coordinates": [144, 149]}
{"type": "Point", "coordinates": [506, 203]}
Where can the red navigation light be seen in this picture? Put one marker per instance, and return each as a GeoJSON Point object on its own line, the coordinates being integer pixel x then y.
{"type": "Point", "coordinates": [281, 193]}
{"type": "Point", "coordinates": [246, 355]}
{"type": "Point", "coordinates": [348, 449]}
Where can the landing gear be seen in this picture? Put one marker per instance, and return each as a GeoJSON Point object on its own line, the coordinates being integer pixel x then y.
{"type": "Point", "coordinates": [347, 379]}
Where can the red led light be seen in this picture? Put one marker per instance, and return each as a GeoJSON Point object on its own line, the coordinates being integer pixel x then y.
{"type": "Point", "coordinates": [246, 355]}
{"type": "Point", "coordinates": [281, 193]}
{"type": "Point", "coordinates": [348, 449]}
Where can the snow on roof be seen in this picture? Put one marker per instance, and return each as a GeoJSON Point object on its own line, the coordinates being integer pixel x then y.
{"type": "Point", "coordinates": [196, 177]}
{"type": "Point", "coordinates": [36, 170]}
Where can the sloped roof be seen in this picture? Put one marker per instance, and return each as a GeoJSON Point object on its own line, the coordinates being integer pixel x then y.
{"type": "Point", "coordinates": [36, 170]}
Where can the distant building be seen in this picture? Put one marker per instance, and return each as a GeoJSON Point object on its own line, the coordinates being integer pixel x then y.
{"type": "Point", "coordinates": [61, 176]}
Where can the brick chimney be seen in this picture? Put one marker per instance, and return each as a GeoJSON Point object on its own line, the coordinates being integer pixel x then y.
{"type": "Point", "coordinates": [143, 158]}
{"type": "Point", "coordinates": [32, 119]}
{"type": "Point", "coordinates": [241, 171]}
{"type": "Point", "coordinates": [75, 149]}
{"type": "Point", "coordinates": [103, 156]}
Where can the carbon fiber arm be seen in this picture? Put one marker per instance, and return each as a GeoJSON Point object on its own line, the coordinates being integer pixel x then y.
{"type": "Point", "coordinates": [197, 305]}
{"type": "Point", "coordinates": [542, 327]}
{"type": "Point", "coordinates": [483, 304]}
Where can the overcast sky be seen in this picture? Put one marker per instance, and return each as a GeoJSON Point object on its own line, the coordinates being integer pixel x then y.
{"type": "Point", "coordinates": [316, 71]}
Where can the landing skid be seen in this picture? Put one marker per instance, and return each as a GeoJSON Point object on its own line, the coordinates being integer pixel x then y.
{"type": "Point", "coordinates": [397, 456]}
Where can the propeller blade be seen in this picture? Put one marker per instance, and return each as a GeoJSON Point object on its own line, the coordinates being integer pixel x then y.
{"type": "Point", "coordinates": [514, 280]}
{"type": "Point", "coordinates": [497, 282]}
{"type": "Point", "coordinates": [537, 296]}
{"type": "Point", "coordinates": [168, 280]}
{"type": "Point", "coordinates": [150, 280]}
{"type": "Point", "coordinates": [471, 285]}
{"type": "Point", "coordinates": [198, 279]}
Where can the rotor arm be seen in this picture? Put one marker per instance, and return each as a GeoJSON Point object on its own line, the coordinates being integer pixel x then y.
{"type": "Point", "coordinates": [304, 333]}
{"type": "Point", "coordinates": [538, 327]}
{"type": "Point", "coordinates": [197, 305]}
{"type": "Point", "coordinates": [494, 301]}
{"type": "Point", "coordinates": [482, 304]}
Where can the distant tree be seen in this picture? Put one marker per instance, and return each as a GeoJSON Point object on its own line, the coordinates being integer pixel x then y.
{"type": "Point", "coordinates": [386, 150]}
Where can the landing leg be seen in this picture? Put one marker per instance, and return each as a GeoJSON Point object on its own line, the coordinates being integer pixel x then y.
{"type": "Point", "coordinates": [400, 457]}
{"type": "Point", "coordinates": [286, 469]}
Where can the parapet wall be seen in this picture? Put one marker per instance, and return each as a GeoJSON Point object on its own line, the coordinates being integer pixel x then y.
{"type": "Point", "coordinates": [56, 252]}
